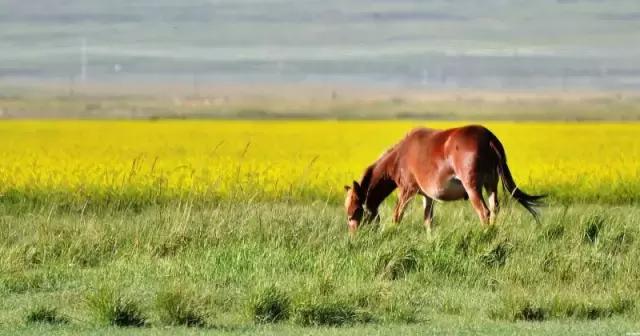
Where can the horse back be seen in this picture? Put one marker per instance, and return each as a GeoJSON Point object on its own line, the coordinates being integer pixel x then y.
{"type": "Point", "coordinates": [433, 149]}
{"type": "Point", "coordinates": [439, 155]}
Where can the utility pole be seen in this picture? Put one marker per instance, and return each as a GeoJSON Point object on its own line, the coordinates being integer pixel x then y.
{"type": "Point", "coordinates": [83, 60]}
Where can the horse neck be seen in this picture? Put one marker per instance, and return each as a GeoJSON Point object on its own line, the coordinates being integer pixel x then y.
{"type": "Point", "coordinates": [378, 186]}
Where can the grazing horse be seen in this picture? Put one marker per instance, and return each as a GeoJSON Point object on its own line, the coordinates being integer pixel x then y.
{"type": "Point", "coordinates": [443, 165]}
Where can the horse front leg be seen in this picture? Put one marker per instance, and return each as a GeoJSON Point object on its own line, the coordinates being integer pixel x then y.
{"type": "Point", "coordinates": [403, 200]}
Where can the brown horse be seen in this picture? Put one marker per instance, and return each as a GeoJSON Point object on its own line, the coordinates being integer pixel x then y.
{"type": "Point", "coordinates": [444, 165]}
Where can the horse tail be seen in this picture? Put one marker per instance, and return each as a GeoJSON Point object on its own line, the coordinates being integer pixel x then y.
{"type": "Point", "coordinates": [529, 202]}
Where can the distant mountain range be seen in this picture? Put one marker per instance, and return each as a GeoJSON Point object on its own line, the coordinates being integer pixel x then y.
{"type": "Point", "coordinates": [440, 44]}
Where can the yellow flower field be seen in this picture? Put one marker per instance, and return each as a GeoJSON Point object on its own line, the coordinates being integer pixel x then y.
{"type": "Point", "coordinates": [87, 162]}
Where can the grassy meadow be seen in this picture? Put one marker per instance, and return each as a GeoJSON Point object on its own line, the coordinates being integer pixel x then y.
{"type": "Point", "coordinates": [236, 227]}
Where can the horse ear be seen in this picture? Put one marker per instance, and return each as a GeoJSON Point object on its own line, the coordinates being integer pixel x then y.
{"type": "Point", "coordinates": [347, 188]}
{"type": "Point", "coordinates": [357, 187]}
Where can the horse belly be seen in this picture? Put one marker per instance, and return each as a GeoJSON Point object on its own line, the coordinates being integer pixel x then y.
{"type": "Point", "coordinates": [450, 190]}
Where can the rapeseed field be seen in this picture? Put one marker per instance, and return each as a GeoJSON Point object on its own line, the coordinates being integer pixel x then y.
{"type": "Point", "coordinates": [106, 163]}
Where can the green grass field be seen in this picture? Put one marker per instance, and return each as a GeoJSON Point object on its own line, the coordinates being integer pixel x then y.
{"type": "Point", "coordinates": [120, 227]}
{"type": "Point", "coordinates": [576, 272]}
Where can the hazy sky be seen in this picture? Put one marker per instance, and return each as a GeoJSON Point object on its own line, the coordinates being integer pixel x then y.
{"type": "Point", "coordinates": [402, 41]}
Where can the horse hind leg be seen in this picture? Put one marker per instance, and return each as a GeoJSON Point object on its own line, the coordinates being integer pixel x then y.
{"type": "Point", "coordinates": [474, 190]}
{"type": "Point", "coordinates": [428, 213]}
{"type": "Point", "coordinates": [492, 189]}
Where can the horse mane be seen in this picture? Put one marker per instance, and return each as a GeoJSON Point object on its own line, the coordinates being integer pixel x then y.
{"type": "Point", "coordinates": [366, 178]}
{"type": "Point", "coordinates": [365, 181]}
